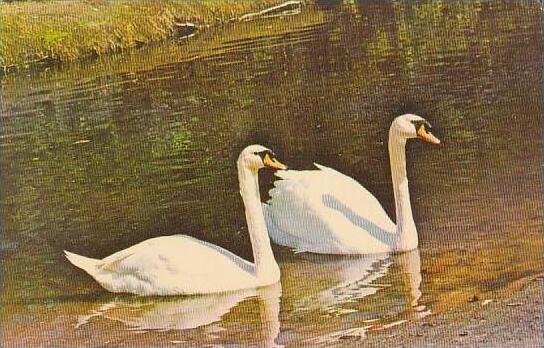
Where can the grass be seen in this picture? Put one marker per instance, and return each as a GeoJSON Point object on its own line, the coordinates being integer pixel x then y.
{"type": "Point", "coordinates": [46, 32]}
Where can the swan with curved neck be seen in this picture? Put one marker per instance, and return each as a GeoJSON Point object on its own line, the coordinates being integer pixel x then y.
{"type": "Point", "coordinates": [182, 265]}
{"type": "Point", "coordinates": [325, 211]}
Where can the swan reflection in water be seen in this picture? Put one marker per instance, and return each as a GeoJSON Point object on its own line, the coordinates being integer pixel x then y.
{"type": "Point", "coordinates": [144, 314]}
{"type": "Point", "coordinates": [313, 285]}
{"type": "Point", "coordinates": [368, 293]}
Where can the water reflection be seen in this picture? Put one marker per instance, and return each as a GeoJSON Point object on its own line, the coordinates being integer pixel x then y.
{"type": "Point", "coordinates": [339, 281]}
{"type": "Point", "coordinates": [410, 264]}
{"type": "Point", "coordinates": [316, 286]}
{"type": "Point", "coordinates": [352, 289]}
{"type": "Point", "coordinates": [143, 314]}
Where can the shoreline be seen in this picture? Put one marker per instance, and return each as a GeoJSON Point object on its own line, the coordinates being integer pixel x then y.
{"type": "Point", "coordinates": [42, 34]}
{"type": "Point", "coordinates": [513, 319]}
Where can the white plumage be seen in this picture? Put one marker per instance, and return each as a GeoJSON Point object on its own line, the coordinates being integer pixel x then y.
{"type": "Point", "coordinates": [317, 210]}
{"type": "Point", "coordinates": [182, 265]}
{"type": "Point", "coordinates": [325, 211]}
{"type": "Point", "coordinates": [169, 265]}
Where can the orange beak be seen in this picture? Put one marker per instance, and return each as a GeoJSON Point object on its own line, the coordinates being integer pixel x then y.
{"type": "Point", "coordinates": [273, 163]}
{"type": "Point", "coordinates": [427, 136]}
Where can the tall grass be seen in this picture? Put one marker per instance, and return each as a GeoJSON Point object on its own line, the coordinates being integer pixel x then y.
{"type": "Point", "coordinates": [59, 31]}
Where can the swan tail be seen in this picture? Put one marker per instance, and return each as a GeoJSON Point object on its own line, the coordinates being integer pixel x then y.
{"type": "Point", "coordinates": [87, 264]}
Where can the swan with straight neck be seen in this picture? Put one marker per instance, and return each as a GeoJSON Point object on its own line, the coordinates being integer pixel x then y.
{"type": "Point", "coordinates": [325, 211]}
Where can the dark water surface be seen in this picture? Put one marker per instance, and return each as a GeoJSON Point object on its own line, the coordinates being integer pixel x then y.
{"type": "Point", "coordinates": [98, 156]}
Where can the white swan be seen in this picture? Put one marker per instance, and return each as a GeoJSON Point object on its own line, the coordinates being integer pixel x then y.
{"type": "Point", "coordinates": [324, 211]}
{"type": "Point", "coordinates": [181, 265]}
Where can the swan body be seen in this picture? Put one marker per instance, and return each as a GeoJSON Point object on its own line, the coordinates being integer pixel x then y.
{"type": "Point", "coordinates": [318, 211]}
{"type": "Point", "coordinates": [182, 265]}
{"type": "Point", "coordinates": [170, 265]}
{"type": "Point", "coordinates": [325, 211]}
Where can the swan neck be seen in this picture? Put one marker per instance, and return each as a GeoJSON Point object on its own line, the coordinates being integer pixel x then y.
{"type": "Point", "coordinates": [266, 268]}
{"type": "Point", "coordinates": [407, 238]}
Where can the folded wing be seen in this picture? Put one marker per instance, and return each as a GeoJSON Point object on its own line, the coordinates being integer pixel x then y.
{"type": "Point", "coordinates": [325, 211]}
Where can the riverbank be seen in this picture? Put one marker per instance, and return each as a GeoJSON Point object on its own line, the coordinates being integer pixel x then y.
{"type": "Point", "coordinates": [51, 32]}
{"type": "Point", "coordinates": [514, 319]}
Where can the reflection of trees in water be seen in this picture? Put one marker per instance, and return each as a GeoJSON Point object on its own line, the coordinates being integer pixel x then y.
{"type": "Point", "coordinates": [80, 161]}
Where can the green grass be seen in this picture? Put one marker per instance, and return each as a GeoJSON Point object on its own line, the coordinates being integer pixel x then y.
{"type": "Point", "coordinates": [41, 32]}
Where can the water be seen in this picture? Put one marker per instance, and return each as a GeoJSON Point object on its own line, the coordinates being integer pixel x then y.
{"type": "Point", "coordinates": [97, 156]}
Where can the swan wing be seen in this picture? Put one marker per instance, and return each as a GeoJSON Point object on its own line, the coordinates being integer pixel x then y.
{"type": "Point", "coordinates": [173, 265]}
{"type": "Point", "coordinates": [355, 196]}
{"type": "Point", "coordinates": [325, 211]}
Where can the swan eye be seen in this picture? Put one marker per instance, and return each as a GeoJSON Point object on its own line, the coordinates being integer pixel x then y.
{"type": "Point", "coordinates": [422, 123]}
{"type": "Point", "coordinates": [262, 154]}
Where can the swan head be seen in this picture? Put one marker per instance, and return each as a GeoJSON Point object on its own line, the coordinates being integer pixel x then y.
{"type": "Point", "coordinates": [255, 157]}
{"type": "Point", "coordinates": [411, 126]}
